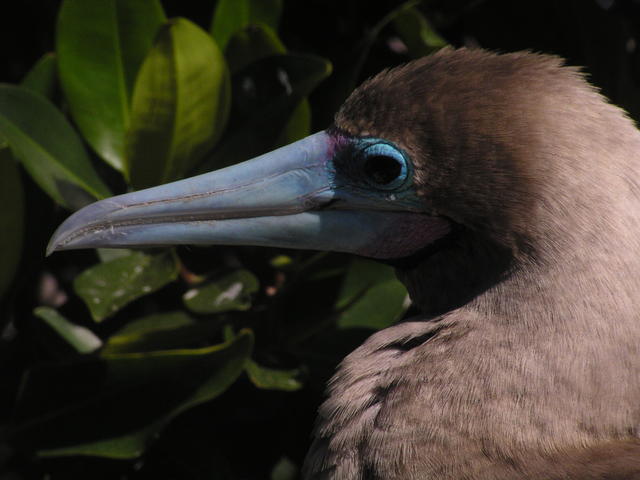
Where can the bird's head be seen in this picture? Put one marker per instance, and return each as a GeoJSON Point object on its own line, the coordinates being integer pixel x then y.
{"type": "Point", "coordinates": [443, 161]}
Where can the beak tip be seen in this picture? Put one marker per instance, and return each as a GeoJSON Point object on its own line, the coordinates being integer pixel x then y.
{"type": "Point", "coordinates": [65, 236]}
{"type": "Point", "coordinates": [73, 232]}
{"type": "Point", "coordinates": [55, 244]}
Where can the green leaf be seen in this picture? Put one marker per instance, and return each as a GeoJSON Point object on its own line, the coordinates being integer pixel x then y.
{"type": "Point", "coordinates": [418, 34]}
{"type": "Point", "coordinates": [231, 292]}
{"type": "Point", "coordinates": [274, 379]}
{"type": "Point", "coordinates": [253, 43]}
{"type": "Point", "coordinates": [43, 76]}
{"type": "Point", "coordinates": [108, 254]}
{"type": "Point", "coordinates": [298, 126]}
{"type": "Point", "coordinates": [80, 338]}
{"type": "Point", "coordinates": [47, 146]}
{"type": "Point", "coordinates": [163, 331]}
{"type": "Point", "coordinates": [101, 45]}
{"type": "Point", "coordinates": [281, 261]}
{"type": "Point", "coordinates": [152, 323]}
{"type": "Point", "coordinates": [180, 105]}
{"type": "Point", "coordinates": [370, 296]}
{"type": "Point", "coordinates": [109, 286]}
{"type": "Point", "coordinates": [11, 217]}
{"type": "Point", "coordinates": [346, 79]}
{"type": "Point", "coordinates": [114, 406]}
{"type": "Point", "coordinates": [265, 95]}
{"type": "Point", "coordinates": [233, 15]}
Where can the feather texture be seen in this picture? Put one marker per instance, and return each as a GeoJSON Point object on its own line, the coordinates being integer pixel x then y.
{"type": "Point", "coordinates": [526, 361]}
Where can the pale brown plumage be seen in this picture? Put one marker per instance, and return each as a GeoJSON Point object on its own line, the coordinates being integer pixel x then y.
{"type": "Point", "coordinates": [526, 361]}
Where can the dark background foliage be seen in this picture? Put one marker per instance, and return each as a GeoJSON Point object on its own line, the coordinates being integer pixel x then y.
{"type": "Point", "coordinates": [248, 432]}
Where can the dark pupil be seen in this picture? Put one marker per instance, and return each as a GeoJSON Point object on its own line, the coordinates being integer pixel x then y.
{"type": "Point", "coordinates": [382, 169]}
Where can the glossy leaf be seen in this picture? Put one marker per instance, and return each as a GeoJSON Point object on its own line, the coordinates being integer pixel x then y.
{"type": "Point", "coordinates": [370, 296]}
{"type": "Point", "coordinates": [418, 34]}
{"type": "Point", "coordinates": [180, 105]}
{"type": "Point", "coordinates": [274, 379]}
{"type": "Point", "coordinates": [348, 77]}
{"type": "Point", "coordinates": [50, 150]}
{"type": "Point", "coordinates": [231, 292]}
{"type": "Point", "coordinates": [43, 76]}
{"type": "Point", "coordinates": [265, 95]}
{"type": "Point", "coordinates": [101, 45]}
{"type": "Point", "coordinates": [253, 43]}
{"type": "Point", "coordinates": [109, 286]}
{"type": "Point", "coordinates": [108, 254]}
{"type": "Point", "coordinates": [162, 331]}
{"type": "Point", "coordinates": [80, 338]}
{"type": "Point", "coordinates": [114, 406]}
{"type": "Point", "coordinates": [298, 126]}
{"type": "Point", "coordinates": [11, 217]}
{"type": "Point", "coordinates": [231, 16]}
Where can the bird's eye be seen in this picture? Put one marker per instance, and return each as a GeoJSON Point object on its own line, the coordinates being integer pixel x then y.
{"type": "Point", "coordinates": [384, 166]}
{"type": "Point", "coordinates": [381, 169]}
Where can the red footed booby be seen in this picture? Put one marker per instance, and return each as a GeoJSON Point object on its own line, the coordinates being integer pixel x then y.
{"type": "Point", "coordinates": [505, 191]}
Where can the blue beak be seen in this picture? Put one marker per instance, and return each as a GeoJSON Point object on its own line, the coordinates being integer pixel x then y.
{"type": "Point", "coordinates": [285, 198]}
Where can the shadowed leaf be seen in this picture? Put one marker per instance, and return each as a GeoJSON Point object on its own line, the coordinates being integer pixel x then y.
{"type": "Point", "coordinates": [233, 15]}
{"type": "Point", "coordinates": [50, 150]}
{"type": "Point", "coordinates": [285, 469]}
{"type": "Point", "coordinates": [43, 76]}
{"type": "Point", "coordinates": [253, 43]}
{"type": "Point", "coordinates": [11, 217]}
{"type": "Point", "coordinates": [231, 292]}
{"type": "Point", "coordinates": [274, 379]}
{"type": "Point", "coordinates": [265, 95]}
{"type": "Point", "coordinates": [346, 79]}
{"type": "Point", "coordinates": [162, 331]}
{"type": "Point", "coordinates": [298, 126]}
{"type": "Point", "coordinates": [115, 405]}
{"type": "Point", "coordinates": [109, 286]}
{"type": "Point", "coordinates": [418, 34]}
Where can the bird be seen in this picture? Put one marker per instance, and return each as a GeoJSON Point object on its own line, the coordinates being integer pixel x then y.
{"type": "Point", "coordinates": [504, 190]}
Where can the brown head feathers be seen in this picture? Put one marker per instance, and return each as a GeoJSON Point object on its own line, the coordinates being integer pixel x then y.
{"type": "Point", "coordinates": [526, 362]}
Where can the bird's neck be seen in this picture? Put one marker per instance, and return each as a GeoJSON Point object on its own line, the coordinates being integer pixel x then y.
{"type": "Point", "coordinates": [512, 373]}
{"type": "Point", "coordinates": [464, 266]}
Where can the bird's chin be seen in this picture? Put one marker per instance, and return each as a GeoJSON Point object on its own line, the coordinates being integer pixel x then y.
{"type": "Point", "coordinates": [406, 236]}
{"type": "Point", "coordinates": [438, 234]}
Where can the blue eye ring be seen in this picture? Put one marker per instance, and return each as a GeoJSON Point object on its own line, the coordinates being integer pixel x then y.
{"type": "Point", "coordinates": [384, 165]}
